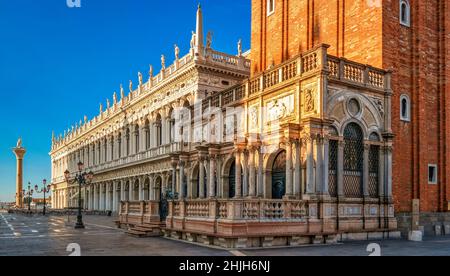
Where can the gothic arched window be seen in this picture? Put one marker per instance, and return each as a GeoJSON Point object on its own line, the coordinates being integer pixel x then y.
{"type": "Point", "coordinates": [405, 13]}
{"type": "Point", "coordinates": [353, 160]}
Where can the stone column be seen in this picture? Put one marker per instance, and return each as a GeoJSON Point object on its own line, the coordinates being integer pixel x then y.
{"type": "Point", "coordinates": [114, 209]}
{"type": "Point", "coordinates": [340, 170]}
{"type": "Point", "coordinates": [102, 200]}
{"type": "Point", "coordinates": [318, 143]}
{"type": "Point", "coordinates": [366, 169]}
{"type": "Point", "coordinates": [310, 189]}
{"type": "Point", "coordinates": [85, 196]}
{"type": "Point", "coordinates": [181, 184]}
{"type": "Point", "coordinates": [89, 201]}
{"type": "Point", "coordinates": [297, 170]}
{"type": "Point", "coordinates": [108, 197]}
{"type": "Point", "coordinates": [245, 187]}
{"type": "Point", "coordinates": [19, 151]}
{"type": "Point", "coordinates": [174, 174]}
{"type": "Point", "coordinates": [388, 164]}
{"type": "Point", "coordinates": [219, 190]}
{"type": "Point", "coordinates": [289, 182]}
{"type": "Point", "coordinates": [260, 173]}
{"type": "Point", "coordinates": [325, 165]}
{"type": "Point", "coordinates": [95, 198]}
{"type": "Point", "coordinates": [212, 176]}
{"type": "Point", "coordinates": [238, 174]}
{"type": "Point", "coordinates": [152, 188]}
{"type": "Point", "coordinates": [201, 173]}
{"type": "Point", "coordinates": [131, 190]}
{"type": "Point", "coordinates": [141, 190]}
{"type": "Point", "coordinates": [381, 171]}
{"type": "Point", "coordinates": [122, 191]}
{"type": "Point", "coordinates": [252, 172]}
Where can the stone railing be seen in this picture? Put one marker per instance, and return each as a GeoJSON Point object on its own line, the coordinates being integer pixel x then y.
{"type": "Point", "coordinates": [240, 209]}
{"type": "Point", "coordinates": [139, 212]}
{"type": "Point", "coordinates": [236, 62]}
{"type": "Point", "coordinates": [312, 62]}
{"type": "Point", "coordinates": [147, 155]}
{"type": "Point", "coordinates": [364, 75]}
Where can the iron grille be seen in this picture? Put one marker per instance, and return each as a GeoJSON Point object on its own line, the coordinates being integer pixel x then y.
{"type": "Point", "coordinates": [333, 167]}
{"type": "Point", "coordinates": [374, 167]}
{"type": "Point", "coordinates": [353, 161]}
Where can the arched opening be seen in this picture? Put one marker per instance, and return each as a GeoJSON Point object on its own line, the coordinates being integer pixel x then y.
{"type": "Point", "coordinates": [136, 190]}
{"type": "Point", "coordinates": [405, 13]}
{"type": "Point", "coordinates": [374, 165]}
{"type": "Point", "coordinates": [185, 119]}
{"type": "Point", "coordinates": [171, 126]}
{"type": "Point", "coordinates": [147, 134]}
{"type": "Point", "coordinates": [127, 191]}
{"type": "Point", "coordinates": [136, 139]}
{"type": "Point", "coordinates": [158, 127]}
{"type": "Point", "coordinates": [279, 176]}
{"type": "Point", "coordinates": [232, 181]}
{"type": "Point", "coordinates": [198, 192]}
{"type": "Point", "coordinates": [147, 189]}
{"type": "Point", "coordinates": [127, 146]}
{"type": "Point", "coordinates": [157, 188]}
{"type": "Point", "coordinates": [405, 108]}
{"type": "Point", "coordinates": [353, 160]}
{"type": "Point", "coordinates": [119, 145]}
{"type": "Point", "coordinates": [333, 162]}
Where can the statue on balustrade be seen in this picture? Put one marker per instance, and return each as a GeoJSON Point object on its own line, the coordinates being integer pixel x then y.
{"type": "Point", "coordinates": [209, 40]}
{"type": "Point", "coordinates": [177, 52]}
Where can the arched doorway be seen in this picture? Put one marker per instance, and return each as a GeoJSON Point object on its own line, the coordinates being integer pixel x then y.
{"type": "Point", "coordinates": [161, 197]}
{"type": "Point", "coordinates": [279, 176]}
{"type": "Point", "coordinates": [136, 191]}
{"type": "Point", "coordinates": [353, 160]}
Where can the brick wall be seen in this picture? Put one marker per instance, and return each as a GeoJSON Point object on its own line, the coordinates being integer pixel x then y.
{"type": "Point", "coordinates": [369, 31]}
{"type": "Point", "coordinates": [352, 28]}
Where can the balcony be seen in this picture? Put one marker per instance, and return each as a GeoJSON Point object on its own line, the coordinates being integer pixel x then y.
{"type": "Point", "coordinates": [315, 61]}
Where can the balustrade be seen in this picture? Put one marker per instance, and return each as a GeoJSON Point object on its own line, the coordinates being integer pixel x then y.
{"type": "Point", "coordinates": [248, 209]}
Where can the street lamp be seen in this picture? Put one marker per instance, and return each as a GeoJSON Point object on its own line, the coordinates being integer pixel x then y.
{"type": "Point", "coordinates": [28, 194]}
{"type": "Point", "coordinates": [81, 178]}
{"type": "Point", "coordinates": [46, 189]}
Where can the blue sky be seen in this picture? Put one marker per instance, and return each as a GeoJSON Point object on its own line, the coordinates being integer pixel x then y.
{"type": "Point", "coordinates": [58, 63]}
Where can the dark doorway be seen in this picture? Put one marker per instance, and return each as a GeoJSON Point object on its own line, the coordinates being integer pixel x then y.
{"type": "Point", "coordinates": [279, 176]}
{"type": "Point", "coordinates": [232, 181]}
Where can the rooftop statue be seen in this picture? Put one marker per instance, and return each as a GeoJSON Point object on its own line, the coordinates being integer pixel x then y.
{"type": "Point", "coordinates": [140, 78]}
{"type": "Point", "coordinates": [240, 47]}
{"type": "Point", "coordinates": [177, 52]}
{"type": "Point", "coordinates": [194, 36]}
{"type": "Point", "coordinates": [163, 62]}
{"type": "Point", "coordinates": [122, 93]}
{"type": "Point", "coordinates": [150, 72]}
{"type": "Point", "coordinates": [19, 143]}
{"type": "Point", "coordinates": [209, 40]}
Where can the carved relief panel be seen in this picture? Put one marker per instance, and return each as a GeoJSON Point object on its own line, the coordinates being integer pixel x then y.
{"type": "Point", "coordinates": [310, 99]}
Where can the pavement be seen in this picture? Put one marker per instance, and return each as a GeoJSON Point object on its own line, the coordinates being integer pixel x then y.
{"type": "Point", "coordinates": [22, 235]}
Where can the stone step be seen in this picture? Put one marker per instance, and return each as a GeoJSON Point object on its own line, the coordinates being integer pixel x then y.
{"type": "Point", "coordinates": [137, 234]}
{"type": "Point", "coordinates": [142, 231]}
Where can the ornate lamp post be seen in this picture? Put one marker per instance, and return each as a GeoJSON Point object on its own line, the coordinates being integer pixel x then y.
{"type": "Point", "coordinates": [28, 195]}
{"type": "Point", "coordinates": [46, 189]}
{"type": "Point", "coordinates": [81, 178]}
